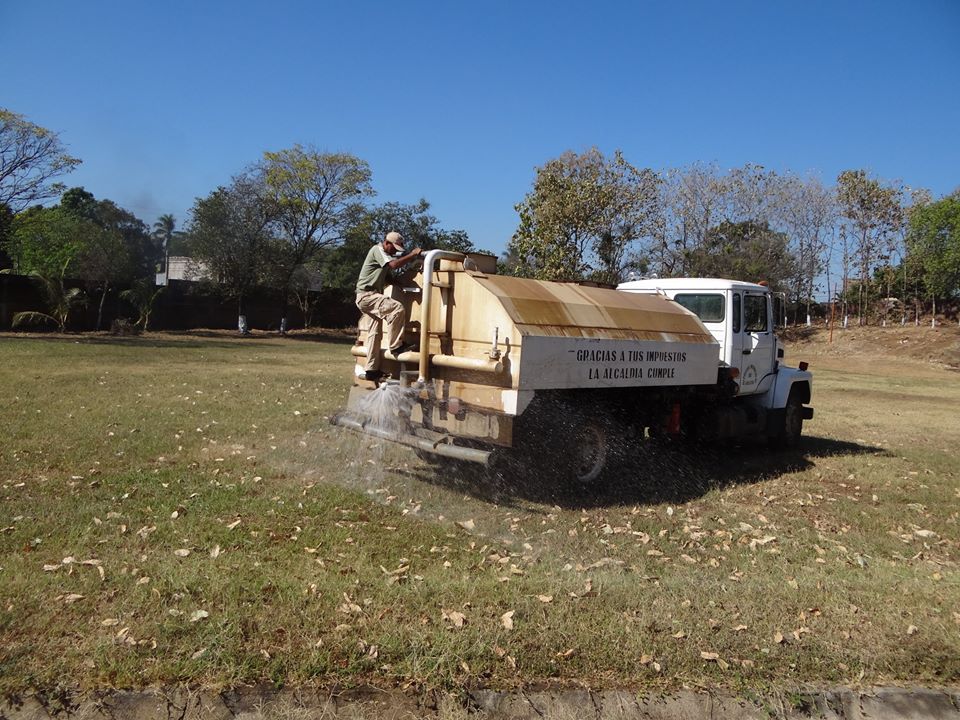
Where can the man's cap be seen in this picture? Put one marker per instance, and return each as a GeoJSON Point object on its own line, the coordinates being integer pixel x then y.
{"type": "Point", "coordinates": [395, 238]}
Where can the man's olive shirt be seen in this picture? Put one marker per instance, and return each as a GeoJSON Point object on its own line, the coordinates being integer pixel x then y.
{"type": "Point", "coordinates": [374, 271]}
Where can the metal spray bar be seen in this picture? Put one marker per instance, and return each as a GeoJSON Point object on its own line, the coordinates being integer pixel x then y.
{"type": "Point", "coordinates": [446, 449]}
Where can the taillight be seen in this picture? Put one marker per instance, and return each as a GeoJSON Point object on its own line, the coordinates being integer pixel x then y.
{"type": "Point", "coordinates": [673, 424]}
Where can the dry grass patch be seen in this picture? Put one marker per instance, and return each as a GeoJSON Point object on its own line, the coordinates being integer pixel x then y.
{"type": "Point", "coordinates": [179, 510]}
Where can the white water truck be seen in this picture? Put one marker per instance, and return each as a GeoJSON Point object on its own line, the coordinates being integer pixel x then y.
{"type": "Point", "coordinates": [568, 375]}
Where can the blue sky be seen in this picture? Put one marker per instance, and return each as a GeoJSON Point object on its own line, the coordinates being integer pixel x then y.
{"type": "Point", "coordinates": [459, 101]}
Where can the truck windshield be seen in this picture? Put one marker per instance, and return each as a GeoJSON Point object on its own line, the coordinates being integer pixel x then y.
{"type": "Point", "coordinates": [707, 306]}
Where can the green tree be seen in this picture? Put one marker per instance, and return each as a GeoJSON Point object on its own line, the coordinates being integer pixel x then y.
{"type": "Point", "coordinates": [581, 217]}
{"type": "Point", "coordinates": [312, 195]}
{"type": "Point", "coordinates": [745, 251]}
{"type": "Point", "coordinates": [116, 251]}
{"type": "Point", "coordinates": [367, 226]}
{"type": "Point", "coordinates": [80, 203]}
{"type": "Point", "coordinates": [31, 157]}
{"type": "Point", "coordinates": [141, 250]}
{"type": "Point", "coordinates": [102, 263]}
{"type": "Point", "coordinates": [144, 251]}
{"type": "Point", "coordinates": [92, 240]}
{"type": "Point", "coordinates": [6, 228]}
{"type": "Point", "coordinates": [454, 241]}
{"type": "Point", "coordinates": [104, 259]}
{"type": "Point", "coordinates": [934, 240]}
{"type": "Point", "coordinates": [45, 244]}
{"type": "Point", "coordinates": [47, 241]}
{"type": "Point", "coordinates": [230, 234]}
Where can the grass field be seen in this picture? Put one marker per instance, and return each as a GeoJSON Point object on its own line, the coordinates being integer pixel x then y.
{"type": "Point", "coordinates": [177, 509]}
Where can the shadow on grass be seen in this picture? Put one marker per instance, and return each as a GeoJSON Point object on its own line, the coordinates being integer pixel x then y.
{"type": "Point", "coordinates": [651, 474]}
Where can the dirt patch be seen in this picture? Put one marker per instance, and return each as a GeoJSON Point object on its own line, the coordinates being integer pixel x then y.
{"type": "Point", "coordinates": [263, 703]}
{"type": "Point", "coordinates": [939, 347]}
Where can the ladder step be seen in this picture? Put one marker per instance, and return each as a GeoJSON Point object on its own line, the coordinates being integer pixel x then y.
{"type": "Point", "coordinates": [439, 284]}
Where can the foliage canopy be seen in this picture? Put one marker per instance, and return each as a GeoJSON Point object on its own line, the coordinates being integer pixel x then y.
{"type": "Point", "coordinates": [581, 216]}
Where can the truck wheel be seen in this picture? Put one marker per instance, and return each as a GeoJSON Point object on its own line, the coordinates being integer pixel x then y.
{"type": "Point", "coordinates": [792, 423]}
{"type": "Point", "coordinates": [563, 440]}
{"type": "Point", "coordinates": [590, 453]}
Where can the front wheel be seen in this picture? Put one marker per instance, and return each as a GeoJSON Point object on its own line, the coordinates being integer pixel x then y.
{"type": "Point", "coordinates": [789, 436]}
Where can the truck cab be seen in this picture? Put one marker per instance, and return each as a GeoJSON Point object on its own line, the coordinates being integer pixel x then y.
{"type": "Point", "coordinates": [738, 314]}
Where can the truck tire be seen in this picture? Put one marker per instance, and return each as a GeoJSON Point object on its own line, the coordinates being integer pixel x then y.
{"type": "Point", "coordinates": [587, 450]}
{"type": "Point", "coordinates": [590, 453]}
{"type": "Point", "coordinates": [789, 436]}
{"type": "Point", "coordinates": [567, 443]}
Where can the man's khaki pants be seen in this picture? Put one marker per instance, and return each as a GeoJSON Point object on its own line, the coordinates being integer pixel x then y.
{"type": "Point", "coordinates": [380, 309]}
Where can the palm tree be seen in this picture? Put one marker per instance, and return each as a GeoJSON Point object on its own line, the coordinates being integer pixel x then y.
{"type": "Point", "coordinates": [163, 229]}
{"type": "Point", "coordinates": [142, 295]}
{"type": "Point", "coordinates": [60, 299]}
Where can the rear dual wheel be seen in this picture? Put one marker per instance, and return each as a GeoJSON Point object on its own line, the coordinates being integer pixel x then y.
{"type": "Point", "coordinates": [590, 453]}
{"type": "Point", "coordinates": [566, 444]}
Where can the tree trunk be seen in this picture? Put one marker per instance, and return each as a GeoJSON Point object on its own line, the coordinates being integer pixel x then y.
{"type": "Point", "coordinates": [241, 317]}
{"type": "Point", "coordinates": [933, 315]}
{"type": "Point", "coordinates": [103, 297]}
{"type": "Point", "coordinates": [860, 303]}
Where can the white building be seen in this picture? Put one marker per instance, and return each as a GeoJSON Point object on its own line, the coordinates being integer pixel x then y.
{"type": "Point", "coordinates": [184, 268]}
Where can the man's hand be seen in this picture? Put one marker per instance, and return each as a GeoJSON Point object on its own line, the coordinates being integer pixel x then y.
{"type": "Point", "coordinates": [403, 260]}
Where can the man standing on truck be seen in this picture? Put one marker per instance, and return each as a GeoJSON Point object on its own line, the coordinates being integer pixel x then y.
{"type": "Point", "coordinates": [383, 258]}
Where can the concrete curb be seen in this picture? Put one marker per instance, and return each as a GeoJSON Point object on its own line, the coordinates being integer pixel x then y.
{"type": "Point", "coordinates": [264, 702]}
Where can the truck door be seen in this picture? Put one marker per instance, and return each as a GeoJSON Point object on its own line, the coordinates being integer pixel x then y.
{"type": "Point", "coordinates": [733, 350]}
{"type": "Point", "coordinates": [758, 346]}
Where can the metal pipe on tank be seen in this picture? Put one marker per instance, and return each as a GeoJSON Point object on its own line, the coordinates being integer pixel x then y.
{"type": "Point", "coordinates": [464, 363]}
{"type": "Point", "coordinates": [450, 361]}
{"type": "Point", "coordinates": [426, 301]}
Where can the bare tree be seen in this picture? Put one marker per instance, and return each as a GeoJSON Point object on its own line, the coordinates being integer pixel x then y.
{"type": "Point", "coordinates": [693, 199]}
{"type": "Point", "coordinates": [873, 212]}
{"type": "Point", "coordinates": [809, 211]}
{"type": "Point", "coordinates": [30, 158]}
{"type": "Point", "coordinates": [755, 195]}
